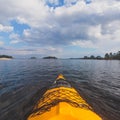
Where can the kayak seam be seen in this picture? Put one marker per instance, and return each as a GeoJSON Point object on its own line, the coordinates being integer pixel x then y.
{"type": "Point", "coordinates": [51, 99]}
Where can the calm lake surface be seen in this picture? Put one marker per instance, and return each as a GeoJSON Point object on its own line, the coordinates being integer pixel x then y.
{"type": "Point", "coordinates": [23, 82]}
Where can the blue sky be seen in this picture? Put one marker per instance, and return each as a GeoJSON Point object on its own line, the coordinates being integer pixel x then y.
{"type": "Point", "coordinates": [19, 27]}
{"type": "Point", "coordinates": [62, 28]}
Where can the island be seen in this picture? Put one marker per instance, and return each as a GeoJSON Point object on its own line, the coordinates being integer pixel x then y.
{"type": "Point", "coordinates": [50, 57]}
{"type": "Point", "coordinates": [107, 56]}
{"type": "Point", "coordinates": [5, 57]}
{"type": "Point", "coordinates": [93, 57]}
{"type": "Point", "coordinates": [33, 58]}
{"type": "Point", "coordinates": [75, 58]}
{"type": "Point", "coordinates": [112, 56]}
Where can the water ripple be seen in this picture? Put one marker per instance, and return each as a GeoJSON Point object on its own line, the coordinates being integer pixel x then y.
{"type": "Point", "coordinates": [22, 83]}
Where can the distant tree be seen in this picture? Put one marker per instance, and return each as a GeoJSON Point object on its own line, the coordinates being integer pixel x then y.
{"type": "Point", "coordinates": [50, 57]}
{"type": "Point", "coordinates": [85, 57]}
{"type": "Point", "coordinates": [110, 55]}
{"type": "Point", "coordinates": [107, 56]}
{"type": "Point", "coordinates": [5, 56]}
{"type": "Point", "coordinates": [33, 58]}
{"type": "Point", "coordinates": [118, 55]}
{"type": "Point", "coordinates": [98, 57]}
{"type": "Point", "coordinates": [118, 52]}
{"type": "Point", "coordinates": [115, 56]}
{"type": "Point", "coordinates": [92, 57]}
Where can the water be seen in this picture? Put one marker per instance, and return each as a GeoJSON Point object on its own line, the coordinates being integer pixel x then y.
{"type": "Point", "coordinates": [23, 81]}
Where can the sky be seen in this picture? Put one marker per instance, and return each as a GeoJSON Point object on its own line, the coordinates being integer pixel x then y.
{"type": "Point", "coordinates": [61, 28]}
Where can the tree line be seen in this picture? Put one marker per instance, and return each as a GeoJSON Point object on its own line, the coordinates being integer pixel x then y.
{"type": "Point", "coordinates": [107, 56]}
{"type": "Point", "coordinates": [112, 56]}
{"type": "Point", "coordinates": [93, 57]}
{"type": "Point", "coordinates": [5, 56]}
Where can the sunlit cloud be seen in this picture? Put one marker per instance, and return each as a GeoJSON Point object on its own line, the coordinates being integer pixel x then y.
{"type": "Point", "coordinates": [55, 24]}
{"type": "Point", "coordinates": [1, 43]}
{"type": "Point", "coordinates": [5, 28]}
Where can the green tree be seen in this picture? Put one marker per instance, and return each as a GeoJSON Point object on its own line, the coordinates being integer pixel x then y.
{"type": "Point", "coordinates": [107, 56]}
{"type": "Point", "coordinates": [118, 55]}
{"type": "Point", "coordinates": [92, 57]}
{"type": "Point", "coordinates": [110, 56]}
{"type": "Point", "coordinates": [85, 57]}
{"type": "Point", "coordinates": [98, 57]}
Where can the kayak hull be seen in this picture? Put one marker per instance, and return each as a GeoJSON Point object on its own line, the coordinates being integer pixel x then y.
{"type": "Point", "coordinates": [62, 102]}
{"type": "Point", "coordinates": [64, 111]}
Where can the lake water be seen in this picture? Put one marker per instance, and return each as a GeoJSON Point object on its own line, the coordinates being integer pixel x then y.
{"type": "Point", "coordinates": [23, 82]}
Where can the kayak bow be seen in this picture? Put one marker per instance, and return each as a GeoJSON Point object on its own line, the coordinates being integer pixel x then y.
{"type": "Point", "coordinates": [62, 102]}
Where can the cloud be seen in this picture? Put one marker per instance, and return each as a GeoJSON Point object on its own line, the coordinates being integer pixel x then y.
{"type": "Point", "coordinates": [14, 38]}
{"type": "Point", "coordinates": [1, 43]}
{"type": "Point", "coordinates": [6, 28]}
{"type": "Point", "coordinates": [76, 23]}
{"type": "Point", "coordinates": [14, 41]}
{"type": "Point", "coordinates": [84, 44]}
{"type": "Point", "coordinates": [33, 51]}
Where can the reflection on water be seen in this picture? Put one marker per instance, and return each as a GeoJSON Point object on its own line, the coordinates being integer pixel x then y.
{"type": "Point", "coordinates": [22, 83]}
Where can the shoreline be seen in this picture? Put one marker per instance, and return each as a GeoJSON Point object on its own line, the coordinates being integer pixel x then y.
{"type": "Point", "coordinates": [5, 59]}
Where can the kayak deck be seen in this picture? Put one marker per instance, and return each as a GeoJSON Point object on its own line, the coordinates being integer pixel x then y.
{"type": "Point", "coordinates": [62, 102]}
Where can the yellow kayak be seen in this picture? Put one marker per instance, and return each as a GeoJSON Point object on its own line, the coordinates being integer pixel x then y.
{"type": "Point", "coordinates": [62, 102]}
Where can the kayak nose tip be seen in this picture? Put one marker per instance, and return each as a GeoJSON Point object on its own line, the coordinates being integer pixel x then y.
{"type": "Point", "coordinates": [60, 76]}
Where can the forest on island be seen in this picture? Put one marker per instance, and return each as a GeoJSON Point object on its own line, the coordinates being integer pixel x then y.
{"type": "Point", "coordinates": [107, 56]}
{"type": "Point", "coordinates": [112, 56]}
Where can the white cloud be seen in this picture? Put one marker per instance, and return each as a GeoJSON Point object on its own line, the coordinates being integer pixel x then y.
{"type": "Point", "coordinates": [14, 41]}
{"type": "Point", "coordinates": [95, 32]}
{"type": "Point", "coordinates": [14, 38]}
{"type": "Point", "coordinates": [32, 51]}
{"type": "Point", "coordinates": [27, 11]}
{"type": "Point", "coordinates": [108, 33]}
{"type": "Point", "coordinates": [84, 44]}
{"type": "Point", "coordinates": [94, 25]}
{"type": "Point", "coordinates": [26, 33]}
{"type": "Point", "coordinates": [1, 43]}
{"type": "Point", "coordinates": [5, 28]}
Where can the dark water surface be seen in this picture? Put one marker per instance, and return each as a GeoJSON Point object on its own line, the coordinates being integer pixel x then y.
{"type": "Point", "coordinates": [22, 83]}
